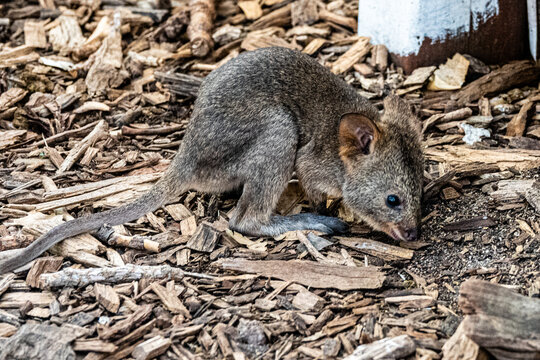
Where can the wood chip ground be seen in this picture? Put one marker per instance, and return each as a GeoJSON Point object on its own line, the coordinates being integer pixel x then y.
{"type": "Point", "coordinates": [95, 97]}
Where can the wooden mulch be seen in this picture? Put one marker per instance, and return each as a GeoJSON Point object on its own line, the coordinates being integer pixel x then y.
{"type": "Point", "coordinates": [94, 100]}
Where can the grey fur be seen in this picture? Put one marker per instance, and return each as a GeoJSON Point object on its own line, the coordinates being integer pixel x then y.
{"type": "Point", "coordinates": [257, 119]}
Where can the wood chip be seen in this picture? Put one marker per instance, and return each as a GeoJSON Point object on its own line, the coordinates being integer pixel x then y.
{"type": "Point", "coordinates": [470, 224]}
{"type": "Point", "coordinates": [451, 75]}
{"type": "Point", "coordinates": [308, 301]}
{"type": "Point", "coordinates": [516, 126]}
{"type": "Point", "coordinates": [151, 348]}
{"type": "Point", "coordinates": [107, 297]}
{"type": "Point", "coordinates": [376, 248]}
{"type": "Point", "coordinates": [252, 9]}
{"type": "Point", "coordinates": [34, 34]}
{"type": "Point", "coordinates": [388, 348]}
{"type": "Point", "coordinates": [204, 239]}
{"type": "Point", "coordinates": [11, 97]}
{"type": "Point", "coordinates": [170, 300]}
{"type": "Point", "coordinates": [352, 56]}
{"type": "Point", "coordinates": [41, 266]}
{"type": "Point", "coordinates": [419, 76]}
{"type": "Point", "coordinates": [202, 14]}
{"type": "Point", "coordinates": [304, 12]}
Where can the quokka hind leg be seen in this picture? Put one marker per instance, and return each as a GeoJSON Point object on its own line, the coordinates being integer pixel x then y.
{"type": "Point", "coordinates": [253, 217]}
{"type": "Point", "coordinates": [254, 212]}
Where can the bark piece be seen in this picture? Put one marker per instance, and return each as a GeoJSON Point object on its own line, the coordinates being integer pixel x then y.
{"type": "Point", "coordinates": [314, 46]}
{"type": "Point", "coordinates": [123, 327]}
{"type": "Point", "coordinates": [311, 248]}
{"type": "Point", "coordinates": [491, 177]}
{"type": "Point", "coordinates": [19, 55]}
{"type": "Point", "coordinates": [10, 97]}
{"type": "Point", "coordinates": [388, 348]}
{"type": "Point", "coordinates": [202, 13]}
{"type": "Point", "coordinates": [107, 297]}
{"type": "Point", "coordinates": [460, 347]}
{"type": "Point", "coordinates": [311, 273]}
{"type": "Point", "coordinates": [457, 156]}
{"type": "Point", "coordinates": [105, 72]}
{"type": "Point", "coordinates": [506, 191]}
{"type": "Point", "coordinates": [376, 248]}
{"type": "Point", "coordinates": [7, 330]}
{"type": "Point", "coordinates": [268, 37]}
{"type": "Point", "coordinates": [533, 197]}
{"type": "Point", "coordinates": [180, 84]}
{"type": "Point", "coordinates": [188, 226]}
{"type": "Point", "coordinates": [39, 341]}
{"type": "Point", "coordinates": [91, 106]}
{"type": "Point", "coordinates": [411, 301]}
{"type": "Point", "coordinates": [450, 193]}
{"type": "Point", "coordinates": [443, 118]}
{"type": "Point", "coordinates": [379, 57]}
{"type": "Point", "coordinates": [508, 76]}
{"type": "Point", "coordinates": [5, 281]}
{"type": "Point", "coordinates": [223, 342]}
{"type": "Point", "coordinates": [14, 300]}
{"type": "Point", "coordinates": [501, 320]}
{"type": "Point", "coordinates": [151, 348]}
{"type": "Point", "coordinates": [10, 137]}
{"type": "Point", "coordinates": [178, 211]}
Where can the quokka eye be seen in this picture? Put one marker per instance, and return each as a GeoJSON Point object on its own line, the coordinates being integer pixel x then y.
{"type": "Point", "coordinates": [392, 201]}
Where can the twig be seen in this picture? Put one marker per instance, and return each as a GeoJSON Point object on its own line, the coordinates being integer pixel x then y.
{"type": "Point", "coordinates": [79, 149]}
{"type": "Point", "coordinates": [200, 26]}
{"type": "Point", "coordinates": [126, 130]}
{"type": "Point", "coordinates": [65, 135]}
{"type": "Point", "coordinates": [106, 233]}
{"type": "Point", "coordinates": [121, 274]}
{"type": "Point", "coordinates": [311, 249]}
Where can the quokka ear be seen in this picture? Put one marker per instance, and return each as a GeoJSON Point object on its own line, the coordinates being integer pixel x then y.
{"type": "Point", "coordinates": [397, 111]}
{"type": "Point", "coordinates": [357, 135]}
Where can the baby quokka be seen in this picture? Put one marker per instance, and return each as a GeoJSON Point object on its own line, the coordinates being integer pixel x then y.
{"type": "Point", "coordinates": [261, 117]}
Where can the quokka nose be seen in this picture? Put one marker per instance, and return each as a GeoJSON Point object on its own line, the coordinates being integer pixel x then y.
{"type": "Point", "coordinates": [411, 234]}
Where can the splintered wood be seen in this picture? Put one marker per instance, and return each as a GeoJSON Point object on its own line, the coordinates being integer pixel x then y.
{"type": "Point", "coordinates": [311, 274]}
{"type": "Point", "coordinates": [95, 98]}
